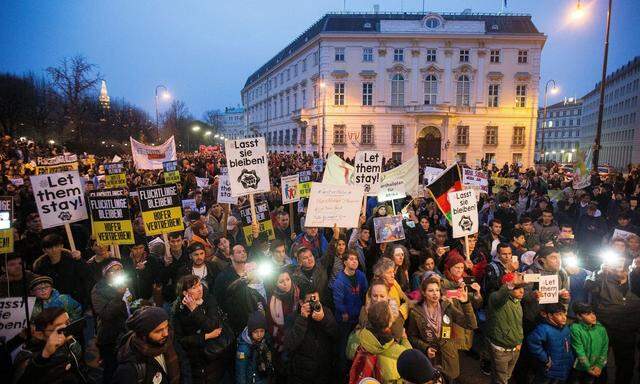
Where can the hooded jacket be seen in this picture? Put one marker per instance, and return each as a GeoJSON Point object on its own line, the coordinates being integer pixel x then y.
{"type": "Point", "coordinates": [590, 344]}
{"type": "Point", "coordinates": [549, 342]}
{"type": "Point", "coordinates": [530, 305]}
{"type": "Point", "coordinates": [387, 354]}
{"type": "Point", "coordinates": [57, 300]}
{"type": "Point", "coordinates": [246, 360]}
{"type": "Point", "coordinates": [348, 298]}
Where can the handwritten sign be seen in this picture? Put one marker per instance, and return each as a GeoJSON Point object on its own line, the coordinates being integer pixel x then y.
{"type": "Point", "coordinates": [391, 190]}
{"type": "Point", "coordinates": [334, 204]}
{"type": "Point", "coordinates": [224, 190]}
{"type": "Point", "coordinates": [548, 287]}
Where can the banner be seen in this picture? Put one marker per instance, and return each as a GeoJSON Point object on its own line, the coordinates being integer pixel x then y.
{"type": "Point", "coordinates": [66, 162]}
{"type": "Point", "coordinates": [582, 170]}
{"type": "Point", "coordinates": [334, 204]}
{"type": "Point", "coordinates": [289, 185]}
{"type": "Point", "coordinates": [431, 174]}
{"type": "Point", "coordinates": [224, 191]}
{"type": "Point", "coordinates": [13, 317]}
{"type": "Point", "coordinates": [6, 220]}
{"type": "Point", "coordinates": [111, 218]}
{"type": "Point", "coordinates": [388, 229]}
{"type": "Point", "coordinates": [464, 212]}
{"type": "Point", "coordinates": [407, 172]}
{"type": "Point", "coordinates": [264, 220]}
{"type": "Point", "coordinates": [368, 167]}
{"type": "Point", "coordinates": [59, 198]}
{"type": "Point", "coordinates": [476, 179]}
{"type": "Point", "coordinates": [248, 166]}
{"type": "Point", "coordinates": [304, 184]}
{"type": "Point", "coordinates": [337, 172]}
{"type": "Point", "coordinates": [161, 209]}
{"type": "Point", "coordinates": [152, 156]}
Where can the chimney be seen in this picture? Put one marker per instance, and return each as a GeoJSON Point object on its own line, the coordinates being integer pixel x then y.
{"type": "Point", "coordinates": [376, 8]}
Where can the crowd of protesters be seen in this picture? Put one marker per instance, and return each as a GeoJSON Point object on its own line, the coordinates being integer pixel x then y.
{"type": "Point", "coordinates": [328, 305]}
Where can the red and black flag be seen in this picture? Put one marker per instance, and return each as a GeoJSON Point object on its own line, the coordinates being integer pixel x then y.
{"type": "Point", "coordinates": [448, 181]}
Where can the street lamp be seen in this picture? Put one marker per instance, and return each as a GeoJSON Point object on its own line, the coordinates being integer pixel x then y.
{"type": "Point", "coordinates": [165, 96]}
{"type": "Point", "coordinates": [554, 90]}
{"type": "Point", "coordinates": [578, 13]}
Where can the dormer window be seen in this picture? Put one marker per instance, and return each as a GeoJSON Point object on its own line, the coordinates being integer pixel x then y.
{"type": "Point", "coordinates": [432, 22]}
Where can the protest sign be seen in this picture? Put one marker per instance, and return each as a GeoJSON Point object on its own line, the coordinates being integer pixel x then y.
{"type": "Point", "coordinates": [317, 165]}
{"type": "Point", "coordinates": [388, 228]}
{"type": "Point", "coordinates": [247, 166]}
{"type": "Point", "coordinates": [619, 233]}
{"type": "Point", "coordinates": [17, 182]}
{"type": "Point", "coordinates": [171, 172]}
{"type": "Point", "coordinates": [59, 198]}
{"type": "Point", "coordinates": [202, 182]}
{"type": "Point", "coordinates": [548, 287]}
{"type": "Point", "coordinates": [391, 190]}
{"type": "Point", "coordinates": [464, 212]}
{"type": "Point", "coordinates": [289, 185]}
{"type": "Point", "coordinates": [61, 163]}
{"type": "Point", "coordinates": [431, 174]}
{"type": "Point", "coordinates": [152, 156]}
{"type": "Point", "coordinates": [263, 218]}
{"type": "Point", "coordinates": [13, 317]}
{"type": "Point", "coordinates": [189, 204]}
{"type": "Point", "coordinates": [334, 204]}
{"type": "Point", "coordinates": [6, 220]}
{"type": "Point", "coordinates": [113, 168]}
{"type": "Point", "coordinates": [368, 167]}
{"type": "Point", "coordinates": [117, 180]}
{"type": "Point", "coordinates": [304, 183]}
{"type": "Point", "coordinates": [476, 179]}
{"type": "Point", "coordinates": [110, 218]}
{"type": "Point", "coordinates": [224, 191]}
{"type": "Point", "coordinates": [161, 209]}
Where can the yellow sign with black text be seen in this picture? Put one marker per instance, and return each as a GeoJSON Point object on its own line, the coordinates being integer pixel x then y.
{"type": "Point", "coordinates": [265, 226]}
{"type": "Point", "coordinates": [118, 180]}
{"type": "Point", "coordinates": [6, 224]}
{"type": "Point", "coordinates": [161, 209]}
{"type": "Point", "coordinates": [172, 177]}
{"type": "Point", "coordinates": [304, 189]}
{"type": "Point", "coordinates": [110, 217]}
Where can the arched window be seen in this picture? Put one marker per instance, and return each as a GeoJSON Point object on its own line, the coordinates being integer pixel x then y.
{"type": "Point", "coordinates": [397, 90]}
{"type": "Point", "coordinates": [430, 90]}
{"type": "Point", "coordinates": [463, 91]}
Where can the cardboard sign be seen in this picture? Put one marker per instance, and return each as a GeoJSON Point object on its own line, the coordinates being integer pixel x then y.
{"type": "Point", "coordinates": [391, 190]}
{"type": "Point", "coordinates": [161, 209]}
{"type": "Point", "coordinates": [475, 178]}
{"type": "Point", "coordinates": [224, 191]}
{"type": "Point", "coordinates": [172, 177]}
{"type": "Point", "coordinates": [368, 167]}
{"type": "Point", "coordinates": [117, 180]}
{"type": "Point", "coordinates": [464, 212]}
{"type": "Point", "coordinates": [289, 185]}
{"type": "Point", "coordinates": [113, 168]}
{"type": "Point", "coordinates": [264, 220]}
{"type": "Point", "coordinates": [334, 204]}
{"type": "Point", "coordinates": [59, 198]}
{"type": "Point", "coordinates": [388, 229]}
{"type": "Point", "coordinates": [152, 156]}
{"type": "Point", "coordinates": [248, 166]}
{"type": "Point", "coordinates": [111, 219]}
{"type": "Point", "coordinates": [202, 182]}
{"type": "Point", "coordinates": [6, 227]}
{"type": "Point", "coordinates": [13, 317]}
{"type": "Point", "coordinates": [62, 163]}
{"type": "Point", "coordinates": [304, 184]}
{"type": "Point", "coordinates": [548, 287]}
{"type": "Point", "coordinates": [318, 164]}
{"type": "Point", "coordinates": [431, 174]}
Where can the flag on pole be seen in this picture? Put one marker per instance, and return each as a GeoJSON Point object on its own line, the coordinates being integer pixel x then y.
{"type": "Point", "coordinates": [448, 181]}
{"type": "Point", "coordinates": [582, 171]}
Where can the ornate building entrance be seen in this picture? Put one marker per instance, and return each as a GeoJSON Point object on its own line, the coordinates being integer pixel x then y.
{"type": "Point", "coordinates": [429, 145]}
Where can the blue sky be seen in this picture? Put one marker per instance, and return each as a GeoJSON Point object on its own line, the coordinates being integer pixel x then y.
{"type": "Point", "coordinates": [204, 50]}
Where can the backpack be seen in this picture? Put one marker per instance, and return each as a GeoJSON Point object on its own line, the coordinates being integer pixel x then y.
{"type": "Point", "coordinates": [364, 365]}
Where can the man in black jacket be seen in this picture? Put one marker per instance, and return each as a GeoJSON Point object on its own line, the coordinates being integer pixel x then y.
{"type": "Point", "coordinates": [207, 271]}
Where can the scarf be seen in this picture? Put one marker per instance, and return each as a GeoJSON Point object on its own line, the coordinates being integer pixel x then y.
{"type": "Point", "coordinates": [281, 300]}
{"type": "Point", "coordinates": [151, 351]}
{"type": "Point", "coordinates": [434, 318]}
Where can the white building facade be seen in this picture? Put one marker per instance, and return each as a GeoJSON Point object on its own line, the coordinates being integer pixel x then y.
{"type": "Point", "coordinates": [558, 135]}
{"type": "Point", "coordinates": [232, 124]}
{"type": "Point", "coordinates": [443, 86]}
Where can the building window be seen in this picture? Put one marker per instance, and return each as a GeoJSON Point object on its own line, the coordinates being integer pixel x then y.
{"type": "Point", "coordinates": [295, 101]}
{"type": "Point", "coordinates": [521, 95]}
{"type": "Point", "coordinates": [304, 65]}
{"type": "Point", "coordinates": [288, 74]}
{"type": "Point", "coordinates": [396, 156]}
{"type": "Point", "coordinates": [398, 55]}
{"type": "Point", "coordinates": [366, 134]}
{"type": "Point", "coordinates": [491, 135]}
{"type": "Point", "coordinates": [517, 158]}
{"type": "Point", "coordinates": [288, 104]}
{"type": "Point", "coordinates": [523, 56]}
{"type": "Point", "coordinates": [287, 137]}
{"type": "Point", "coordinates": [295, 69]}
{"type": "Point", "coordinates": [281, 106]}
{"type": "Point", "coordinates": [268, 138]}
{"type": "Point", "coordinates": [314, 134]}
{"type": "Point", "coordinates": [339, 54]}
{"type": "Point", "coordinates": [494, 56]}
{"type": "Point", "coordinates": [494, 93]}
{"type": "Point", "coordinates": [462, 135]}
{"type": "Point", "coordinates": [431, 55]}
{"type": "Point", "coordinates": [315, 96]}
{"type": "Point", "coordinates": [338, 94]}
{"type": "Point", "coordinates": [432, 22]}
{"type": "Point", "coordinates": [464, 55]}
{"type": "Point", "coordinates": [461, 157]}
{"type": "Point", "coordinates": [397, 90]}
{"type": "Point", "coordinates": [490, 158]}
{"type": "Point", "coordinates": [397, 134]}
{"type": "Point", "coordinates": [367, 55]}
{"type": "Point", "coordinates": [339, 134]}
{"type": "Point", "coordinates": [303, 135]}
{"type": "Point", "coordinates": [280, 137]}
{"type": "Point", "coordinates": [518, 136]}
{"type": "Point", "coordinates": [430, 90]}
{"type": "Point", "coordinates": [367, 94]}
{"type": "Point", "coordinates": [463, 91]}
{"type": "Point", "coordinates": [294, 136]}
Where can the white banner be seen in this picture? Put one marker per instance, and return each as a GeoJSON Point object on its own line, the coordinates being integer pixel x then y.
{"type": "Point", "coordinates": [391, 190]}
{"type": "Point", "coordinates": [475, 178]}
{"type": "Point", "coordinates": [464, 212]}
{"type": "Point", "coordinates": [431, 174]}
{"type": "Point", "coordinates": [224, 191]}
{"type": "Point", "coordinates": [13, 317]}
{"type": "Point", "coordinates": [334, 204]}
{"type": "Point", "coordinates": [368, 167]}
{"type": "Point", "coordinates": [248, 166]}
{"type": "Point", "coordinates": [152, 156]}
{"type": "Point", "coordinates": [289, 185]}
{"type": "Point", "coordinates": [59, 198]}
{"type": "Point", "coordinates": [407, 172]}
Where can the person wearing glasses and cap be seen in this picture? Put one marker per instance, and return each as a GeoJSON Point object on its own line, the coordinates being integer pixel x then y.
{"type": "Point", "coordinates": [48, 297]}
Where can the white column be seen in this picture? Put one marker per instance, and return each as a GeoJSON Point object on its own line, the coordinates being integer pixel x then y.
{"type": "Point", "coordinates": [382, 78]}
{"type": "Point", "coordinates": [480, 77]}
{"type": "Point", "coordinates": [415, 80]}
{"type": "Point", "coordinates": [447, 96]}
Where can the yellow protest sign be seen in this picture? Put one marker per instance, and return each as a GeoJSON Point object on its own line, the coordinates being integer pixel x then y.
{"type": "Point", "coordinates": [172, 177]}
{"type": "Point", "coordinates": [111, 218]}
{"type": "Point", "coordinates": [161, 209]}
{"type": "Point", "coordinates": [265, 226]}
{"type": "Point", "coordinates": [6, 230]}
{"type": "Point", "coordinates": [262, 215]}
{"type": "Point", "coordinates": [304, 189]}
{"type": "Point", "coordinates": [118, 180]}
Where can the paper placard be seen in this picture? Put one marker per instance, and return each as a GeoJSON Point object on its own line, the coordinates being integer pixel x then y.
{"type": "Point", "coordinates": [248, 166]}
{"type": "Point", "coordinates": [6, 224]}
{"type": "Point", "coordinates": [548, 287]}
{"type": "Point", "coordinates": [388, 228]}
{"type": "Point", "coordinates": [476, 178]}
{"type": "Point", "coordinates": [59, 198]}
{"type": "Point", "coordinates": [13, 317]}
{"type": "Point", "coordinates": [531, 277]}
{"type": "Point", "coordinates": [161, 209]}
{"type": "Point", "coordinates": [464, 212]}
{"type": "Point", "coordinates": [289, 185]}
{"type": "Point", "coordinates": [17, 182]}
{"type": "Point", "coordinates": [431, 174]}
{"type": "Point", "coordinates": [368, 167]}
{"type": "Point", "coordinates": [202, 182]}
{"type": "Point", "coordinates": [224, 191]}
{"type": "Point", "coordinates": [334, 204]}
{"type": "Point", "coordinates": [264, 221]}
{"type": "Point", "coordinates": [110, 219]}
{"type": "Point", "coordinates": [391, 190]}
{"type": "Point", "coordinates": [318, 164]}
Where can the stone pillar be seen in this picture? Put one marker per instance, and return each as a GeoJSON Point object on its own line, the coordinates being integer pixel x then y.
{"type": "Point", "coordinates": [480, 77]}
{"type": "Point", "coordinates": [381, 79]}
{"type": "Point", "coordinates": [448, 97]}
{"type": "Point", "coordinates": [415, 75]}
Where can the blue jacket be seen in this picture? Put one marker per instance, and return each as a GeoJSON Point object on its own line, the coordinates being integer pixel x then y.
{"type": "Point", "coordinates": [550, 342]}
{"type": "Point", "coordinates": [318, 250]}
{"type": "Point", "coordinates": [347, 298]}
{"type": "Point", "coordinates": [246, 364]}
{"type": "Point", "coordinates": [58, 300]}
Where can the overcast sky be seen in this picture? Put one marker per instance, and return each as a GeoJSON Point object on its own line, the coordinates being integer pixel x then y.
{"type": "Point", "coordinates": [204, 50]}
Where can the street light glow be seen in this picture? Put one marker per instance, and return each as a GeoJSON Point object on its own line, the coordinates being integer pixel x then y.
{"type": "Point", "coordinates": [554, 90]}
{"type": "Point", "coordinates": [52, 142]}
{"type": "Point", "coordinates": [216, 136]}
{"type": "Point", "coordinates": [207, 133]}
{"type": "Point", "coordinates": [578, 12]}
{"type": "Point", "coordinates": [323, 84]}
{"type": "Point", "coordinates": [195, 128]}
{"type": "Point", "coordinates": [165, 95]}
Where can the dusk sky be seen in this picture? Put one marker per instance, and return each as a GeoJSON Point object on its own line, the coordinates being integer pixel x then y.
{"type": "Point", "coordinates": [203, 51]}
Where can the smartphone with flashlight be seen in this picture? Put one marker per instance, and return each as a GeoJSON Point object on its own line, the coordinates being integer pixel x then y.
{"type": "Point", "coordinates": [74, 328]}
{"type": "Point", "coordinates": [446, 248]}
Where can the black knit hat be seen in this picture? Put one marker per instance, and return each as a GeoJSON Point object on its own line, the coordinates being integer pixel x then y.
{"type": "Point", "coordinates": [255, 321]}
{"type": "Point", "coordinates": [145, 320]}
{"type": "Point", "coordinates": [193, 247]}
{"type": "Point", "coordinates": [414, 367]}
{"type": "Point", "coordinates": [40, 280]}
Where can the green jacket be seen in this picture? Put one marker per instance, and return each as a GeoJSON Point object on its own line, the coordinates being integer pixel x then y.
{"type": "Point", "coordinates": [387, 354]}
{"type": "Point", "coordinates": [591, 345]}
{"type": "Point", "coordinates": [504, 319]}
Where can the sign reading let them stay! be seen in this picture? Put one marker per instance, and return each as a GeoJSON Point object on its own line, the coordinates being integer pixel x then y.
{"type": "Point", "coordinates": [248, 167]}
{"type": "Point", "coordinates": [368, 167]}
{"type": "Point", "coordinates": [464, 212]}
{"type": "Point", "coordinates": [111, 218]}
{"type": "Point", "coordinates": [334, 204]}
{"type": "Point", "coordinates": [161, 209]}
{"type": "Point", "coordinates": [59, 198]}
{"type": "Point", "coordinates": [548, 287]}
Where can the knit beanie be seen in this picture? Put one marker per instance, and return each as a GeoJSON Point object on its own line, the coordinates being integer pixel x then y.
{"type": "Point", "coordinates": [145, 320]}
{"type": "Point", "coordinates": [40, 280]}
{"type": "Point", "coordinates": [413, 366]}
{"type": "Point", "coordinates": [255, 321]}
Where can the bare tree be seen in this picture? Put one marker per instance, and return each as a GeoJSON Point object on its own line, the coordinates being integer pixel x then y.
{"type": "Point", "coordinates": [14, 100]}
{"type": "Point", "coordinates": [213, 118]}
{"type": "Point", "coordinates": [176, 119]}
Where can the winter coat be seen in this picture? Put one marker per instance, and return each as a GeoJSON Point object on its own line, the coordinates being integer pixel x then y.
{"type": "Point", "coordinates": [548, 342]}
{"type": "Point", "coordinates": [504, 319]}
{"type": "Point", "coordinates": [387, 354]}
{"type": "Point", "coordinates": [61, 367]}
{"type": "Point", "coordinates": [463, 336]}
{"type": "Point", "coordinates": [69, 276]}
{"type": "Point", "coordinates": [348, 298]}
{"type": "Point", "coordinates": [142, 280]}
{"type": "Point", "coordinates": [14, 288]}
{"type": "Point", "coordinates": [396, 293]}
{"type": "Point", "coordinates": [57, 300]}
{"type": "Point", "coordinates": [111, 312]}
{"type": "Point", "coordinates": [246, 360]}
{"type": "Point", "coordinates": [546, 233]}
{"type": "Point", "coordinates": [318, 279]}
{"type": "Point", "coordinates": [236, 298]}
{"type": "Point", "coordinates": [530, 305]}
{"type": "Point", "coordinates": [590, 344]}
{"type": "Point", "coordinates": [133, 366]}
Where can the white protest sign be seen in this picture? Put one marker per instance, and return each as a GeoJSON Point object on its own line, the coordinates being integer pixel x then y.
{"type": "Point", "coordinates": [289, 185]}
{"type": "Point", "coordinates": [13, 317]}
{"type": "Point", "coordinates": [59, 198]}
{"type": "Point", "coordinates": [317, 165]}
{"type": "Point", "coordinates": [531, 277]}
{"type": "Point", "coordinates": [17, 182]}
{"type": "Point", "coordinates": [334, 204]}
{"type": "Point", "coordinates": [368, 167]}
{"type": "Point", "coordinates": [391, 190]}
{"type": "Point", "coordinates": [548, 287]}
{"type": "Point", "coordinates": [464, 212]}
{"type": "Point", "coordinates": [431, 174]}
{"type": "Point", "coordinates": [202, 182]}
{"type": "Point", "coordinates": [619, 233]}
{"type": "Point", "coordinates": [475, 178]}
{"type": "Point", "coordinates": [248, 167]}
{"type": "Point", "coordinates": [152, 156]}
{"type": "Point", "coordinates": [224, 191]}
